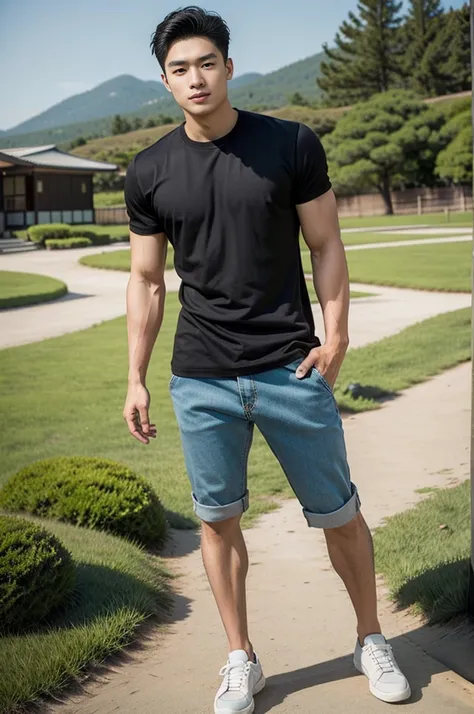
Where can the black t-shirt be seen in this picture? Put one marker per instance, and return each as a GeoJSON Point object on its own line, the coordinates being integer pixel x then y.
{"type": "Point", "coordinates": [229, 209]}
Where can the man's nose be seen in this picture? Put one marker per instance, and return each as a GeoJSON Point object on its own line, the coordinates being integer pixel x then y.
{"type": "Point", "coordinates": [195, 79]}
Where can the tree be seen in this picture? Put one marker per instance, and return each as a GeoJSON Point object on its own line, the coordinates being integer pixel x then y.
{"type": "Point", "coordinates": [120, 125]}
{"type": "Point", "coordinates": [448, 57]}
{"type": "Point", "coordinates": [298, 100]}
{"type": "Point", "coordinates": [367, 58]}
{"type": "Point", "coordinates": [392, 138]}
{"type": "Point", "coordinates": [455, 161]}
{"type": "Point", "coordinates": [80, 141]}
{"type": "Point", "coordinates": [137, 123]}
{"type": "Point", "coordinates": [420, 30]}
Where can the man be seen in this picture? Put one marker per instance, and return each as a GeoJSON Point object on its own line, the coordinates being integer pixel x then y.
{"type": "Point", "coordinates": [230, 190]}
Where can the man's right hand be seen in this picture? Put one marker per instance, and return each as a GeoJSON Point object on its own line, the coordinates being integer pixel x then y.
{"type": "Point", "coordinates": [135, 413]}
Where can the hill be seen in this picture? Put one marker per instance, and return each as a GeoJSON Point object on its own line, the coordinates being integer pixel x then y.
{"type": "Point", "coordinates": [93, 111]}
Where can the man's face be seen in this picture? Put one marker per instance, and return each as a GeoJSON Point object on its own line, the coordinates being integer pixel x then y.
{"type": "Point", "coordinates": [197, 75]}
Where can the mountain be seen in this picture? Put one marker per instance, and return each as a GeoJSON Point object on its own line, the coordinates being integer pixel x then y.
{"type": "Point", "coordinates": [93, 111]}
{"type": "Point", "coordinates": [122, 95]}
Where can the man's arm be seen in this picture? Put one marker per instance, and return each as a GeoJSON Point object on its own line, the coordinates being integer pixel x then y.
{"type": "Point", "coordinates": [146, 292]}
{"type": "Point", "coordinates": [321, 232]}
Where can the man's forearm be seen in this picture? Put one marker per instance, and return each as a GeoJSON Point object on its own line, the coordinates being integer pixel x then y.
{"type": "Point", "coordinates": [145, 309]}
{"type": "Point", "coordinates": [331, 282]}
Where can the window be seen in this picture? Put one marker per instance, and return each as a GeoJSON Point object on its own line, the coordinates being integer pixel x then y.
{"type": "Point", "coordinates": [83, 187]}
{"type": "Point", "coordinates": [39, 186]}
{"type": "Point", "coordinates": [14, 190]}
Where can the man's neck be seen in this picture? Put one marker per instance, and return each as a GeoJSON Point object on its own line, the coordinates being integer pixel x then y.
{"type": "Point", "coordinates": [212, 127]}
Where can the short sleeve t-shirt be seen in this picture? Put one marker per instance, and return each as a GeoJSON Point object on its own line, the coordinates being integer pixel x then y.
{"type": "Point", "coordinates": [228, 207]}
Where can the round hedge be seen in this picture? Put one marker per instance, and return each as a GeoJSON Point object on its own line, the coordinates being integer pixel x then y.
{"type": "Point", "coordinates": [88, 491]}
{"type": "Point", "coordinates": [37, 573]}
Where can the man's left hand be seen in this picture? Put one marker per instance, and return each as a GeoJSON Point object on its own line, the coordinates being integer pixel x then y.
{"type": "Point", "coordinates": [326, 359]}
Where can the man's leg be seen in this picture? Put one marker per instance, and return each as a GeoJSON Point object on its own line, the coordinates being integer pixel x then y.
{"type": "Point", "coordinates": [225, 558]}
{"type": "Point", "coordinates": [351, 552]}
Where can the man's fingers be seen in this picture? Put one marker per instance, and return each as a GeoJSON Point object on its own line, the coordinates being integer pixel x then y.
{"type": "Point", "coordinates": [144, 419]}
{"type": "Point", "coordinates": [303, 369]}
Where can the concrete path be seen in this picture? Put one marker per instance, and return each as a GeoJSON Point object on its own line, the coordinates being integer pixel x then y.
{"type": "Point", "coordinates": [301, 619]}
{"type": "Point", "coordinates": [98, 295]}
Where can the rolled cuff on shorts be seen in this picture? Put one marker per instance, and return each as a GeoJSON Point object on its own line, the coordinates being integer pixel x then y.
{"type": "Point", "coordinates": [213, 514]}
{"type": "Point", "coordinates": [338, 518]}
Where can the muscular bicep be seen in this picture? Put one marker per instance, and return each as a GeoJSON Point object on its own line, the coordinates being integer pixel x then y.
{"type": "Point", "coordinates": [148, 256]}
{"type": "Point", "coordinates": [319, 221]}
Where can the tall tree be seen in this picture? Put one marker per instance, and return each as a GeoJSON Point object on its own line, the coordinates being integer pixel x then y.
{"type": "Point", "coordinates": [367, 58]}
{"type": "Point", "coordinates": [455, 162]}
{"type": "Point", "coordinates": [422, 25]}
{"type": "Point", "coordinates": [392, 139]}
{"type": "Point", "coordinates": [448, 57]}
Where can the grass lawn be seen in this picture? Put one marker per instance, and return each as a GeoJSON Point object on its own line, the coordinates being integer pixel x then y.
{"type": "Point", "coordinates": [425, 566]}
{"type": "Point", "coordinates": [18, 289]}
{"type": "Point", "coordinates": [446, 266]}
{"type": "Point", "coordinates": [104, 199]}
{"type": "Point", "coordinates": [118, 585]}
{"type": "Point", "coordinates": [314, 298]}
{"type": "Point", "coordinates": [71, 402]}
{"type": "Point", "coordinates": [432, 219]}
{"type": "Point", "coordinates": [371, 237]}
{"type": "Point", "coordinates": [119, 260]}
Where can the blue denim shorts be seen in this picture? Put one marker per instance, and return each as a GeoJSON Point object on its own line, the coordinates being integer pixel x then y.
{"type": "Point", "coordinates": [299, 420]}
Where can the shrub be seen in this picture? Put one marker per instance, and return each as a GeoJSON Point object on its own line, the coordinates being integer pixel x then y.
{"type": "Point", "coordinates": [38, 234]}
{"type": "Point", "coordinates": [64, 243]}
{"type": "Point", "coordinates": [37, 573]}
{"type": "Point", "coordinates": [88, 491]}
{"type": "Point", "coordinates": [95, 238]}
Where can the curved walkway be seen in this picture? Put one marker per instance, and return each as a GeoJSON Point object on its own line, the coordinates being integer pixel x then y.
{"type": "Point", "coordinates": [98, 295]}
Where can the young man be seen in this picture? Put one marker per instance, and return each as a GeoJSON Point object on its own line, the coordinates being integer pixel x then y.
{"type": "Point", "coordinates": [230, 190]}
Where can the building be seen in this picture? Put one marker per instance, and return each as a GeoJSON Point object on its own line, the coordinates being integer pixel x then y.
{"type": "Point", "coordinates": [42, 184]}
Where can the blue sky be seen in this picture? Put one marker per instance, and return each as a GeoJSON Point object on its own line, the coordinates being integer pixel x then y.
{"type": "Point", "coordinates": [52, 49]}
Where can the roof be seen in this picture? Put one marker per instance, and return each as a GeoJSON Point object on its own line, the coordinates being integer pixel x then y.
{"type": "Point", "coordinates": [50, 157]}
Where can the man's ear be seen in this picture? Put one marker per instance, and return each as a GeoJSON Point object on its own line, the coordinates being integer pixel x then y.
{"type": "Point", "coordinates": [229, 65]}
{"type": "Point", "coordinates": [165, 82]}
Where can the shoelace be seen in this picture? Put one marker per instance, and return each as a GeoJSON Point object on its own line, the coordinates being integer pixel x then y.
{"type": "Point", "coordinates": [235, 675]}
{"type": "Point", "coordinates": [382, 657]}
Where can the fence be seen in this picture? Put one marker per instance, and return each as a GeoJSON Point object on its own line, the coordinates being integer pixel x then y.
{"type": "Point", "coordinates": [414, 200]}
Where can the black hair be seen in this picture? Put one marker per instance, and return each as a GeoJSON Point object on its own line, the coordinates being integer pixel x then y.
{"type": "Point", "coordinates": [191, 21]}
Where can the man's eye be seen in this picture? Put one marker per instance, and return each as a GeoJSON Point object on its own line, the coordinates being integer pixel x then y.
{"type": "Point", "coordinates": [208, 64]}
{"type": "Point", "coordinates": [178, 71]}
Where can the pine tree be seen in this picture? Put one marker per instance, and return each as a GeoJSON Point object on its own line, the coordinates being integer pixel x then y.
{"type": "Point", "coordinates": [367, 55]}
{"type": "Point", "coordinates": [419, 32]}
{"type": "Point", "coordinates": [448, 58]}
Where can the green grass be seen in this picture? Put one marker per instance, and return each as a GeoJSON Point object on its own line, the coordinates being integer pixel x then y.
{"type": "Point", "coordinates": [412, 356]}
{"type": "Point", "coordinates": [445, 267]}
{"type": "Point", "coordinates": [118, 260]}
{"type": "Point", "coordinates": [432, 219]}
{"type": "Point", "coordinates": [18, 289]}
{"type": "Point", "coordinates": [371, 237]}
{"type": "Point", "coordinates": [71, 403]}
{"type": "Point", "coordinates": [118, 586]}
{"type": "Point", "coordinates": [104, 199]}
{"type": "Point", "coordinates": [425, 566]}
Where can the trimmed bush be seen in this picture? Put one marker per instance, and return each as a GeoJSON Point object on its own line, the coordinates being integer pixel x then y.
{"type": "Point", "coordinates": [37, 573]}
{"type": "Point", "coordinates": [38, 234]}
{"type": "Point", "coordinates": [64, 243]}
{"type": "Point", "coordinates": [95, 238]}
{"type": "Point", "coordinates": [88, 491]}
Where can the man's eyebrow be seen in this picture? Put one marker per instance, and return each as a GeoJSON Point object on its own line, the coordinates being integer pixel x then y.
{"type": "Point", "coordinates": [181, 63]}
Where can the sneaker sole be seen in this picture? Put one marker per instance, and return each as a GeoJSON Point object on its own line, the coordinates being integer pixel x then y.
{"type": "Point", "coordinates": [383, 696]}
{"type": "Point", "coordinates": [248, 710]}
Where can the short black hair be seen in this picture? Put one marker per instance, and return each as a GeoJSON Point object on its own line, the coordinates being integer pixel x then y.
{"type": "Point", "coordinates": [191, 21]}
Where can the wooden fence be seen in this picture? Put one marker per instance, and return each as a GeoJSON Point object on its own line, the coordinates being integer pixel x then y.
{"type": "Point", "coordinates": [415, 200]}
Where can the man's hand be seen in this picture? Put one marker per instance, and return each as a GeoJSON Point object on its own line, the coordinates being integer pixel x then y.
{"type": "Point", "coordinates": [135, 413]}
{"type": "Point", "coordinates": [326, 359]}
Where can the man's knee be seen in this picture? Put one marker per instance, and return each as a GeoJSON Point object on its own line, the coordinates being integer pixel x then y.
{"type": "Point", "coordinates": [349, 531]}
{"type": "Point", "coordinates": [220, 529]}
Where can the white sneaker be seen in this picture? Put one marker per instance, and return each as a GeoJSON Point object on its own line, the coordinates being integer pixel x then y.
{"type": "Point", "coordinates": [242, 679]}
{"type": "Point", "coordinates": [375, 659]}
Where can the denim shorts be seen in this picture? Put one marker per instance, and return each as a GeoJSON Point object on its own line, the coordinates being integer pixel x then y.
{"type": "Point", "coordinates": [299, 420]}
